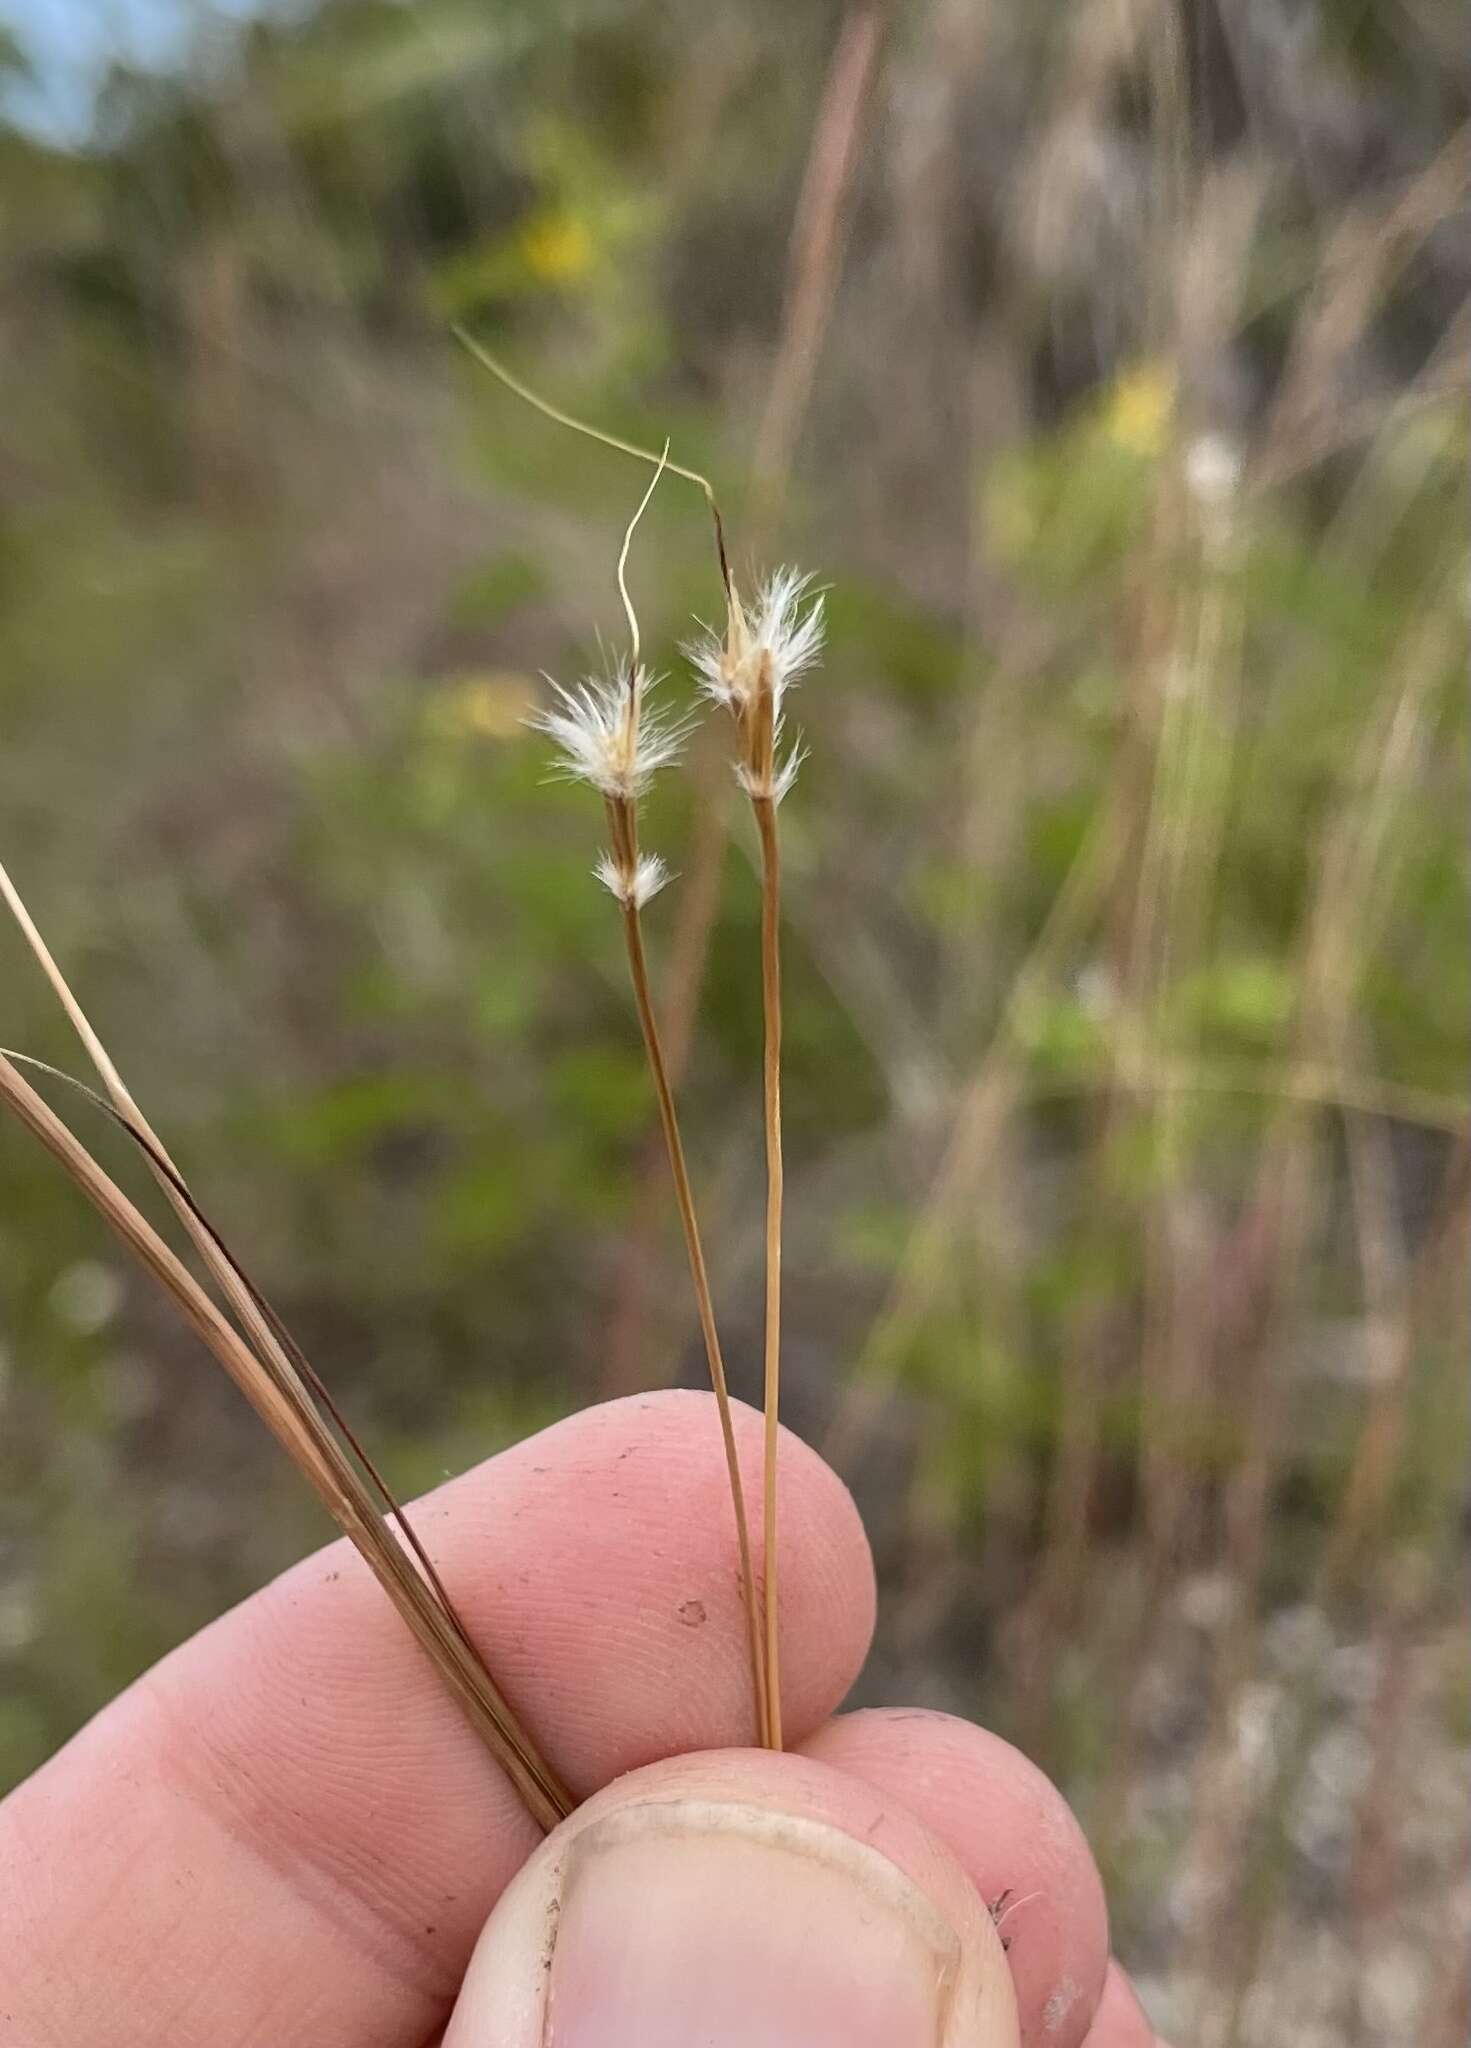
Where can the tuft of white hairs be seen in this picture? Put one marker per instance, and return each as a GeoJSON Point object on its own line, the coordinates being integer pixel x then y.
{"type": "Point", "coordinates": [648, 878]}
{"type": "Point", "coordinates": [775, 786]}
{"type": "Point", "coordinates": [791, 636]}
{"type": "Point", "coordinates": [782, 636]}
{"type": "Point", "coordinates": [606, 736]}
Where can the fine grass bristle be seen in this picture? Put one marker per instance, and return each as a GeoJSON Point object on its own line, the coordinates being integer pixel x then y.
{"type": "Point", "coordinates": [275, 1377]}
{"type": "Point", "coordinates": [482, 355]}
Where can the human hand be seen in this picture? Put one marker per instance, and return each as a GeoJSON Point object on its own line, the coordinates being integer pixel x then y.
{"type": "Point", "coordinates": [284, 1836]}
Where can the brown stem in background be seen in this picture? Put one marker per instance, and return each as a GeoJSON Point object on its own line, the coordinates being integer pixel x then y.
{"type": "Point", "coordinates": [765, 810]}
{"type": "Point", "coordinates": [812, 262]}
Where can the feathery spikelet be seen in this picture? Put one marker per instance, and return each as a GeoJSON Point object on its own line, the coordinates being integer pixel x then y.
{"type": "Point", "coordinates": [781, 636]}
{"type": "Point", "coordinates": [792, 636]}
{"type": "Point", "coordinates": [775, 781]}
{"type": "Point", "coordinates": [606, 736]}
{"type": "Point", "coordinates": [749, 669]}
{"type": "Point", "coordinates": [649, 875]}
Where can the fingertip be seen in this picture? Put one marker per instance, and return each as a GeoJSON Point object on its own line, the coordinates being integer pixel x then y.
{"type": "Point", "coordinates": [1120, 2021]}
{"type": "Point", "coordinates": [626, 1624]}
{"type": "Point", "coordinates": [303, 1748]}
{"type": "Point", "coordinates": [734, 1897]}
{"type": "Point", "coordinates": [1016, 1837]}
{"type": "Point", "coordinates": [665, 1454]}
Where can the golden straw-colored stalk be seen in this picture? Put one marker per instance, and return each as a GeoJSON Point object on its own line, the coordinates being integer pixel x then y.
{"type": "Point", "coordinates": [748, 669]}
{"type": "Point", "coordinates": [748, 672]}
{"type": "Point", "coordinates": [765, 812]}
{"type": "Point", "coordinates": [258, 1318]}
{"type": "Point", "coordinates": [633, 939]}
{"type": "Point", "coordinates": [278, 1358]}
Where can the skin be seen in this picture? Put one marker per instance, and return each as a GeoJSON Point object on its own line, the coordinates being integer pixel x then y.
{"type": "Point", "coordinates": [285, 1831]}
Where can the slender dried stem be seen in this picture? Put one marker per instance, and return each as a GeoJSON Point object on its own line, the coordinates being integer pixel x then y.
{"type": "Point", "coordinates": [623, 874]}
{"type": "Point", "coordinates": [625, 848]}
{"type": "Point", "coordinates": [765, 810]}
{"type": "Point", "coordinates": [309, 1444]}
{"type": "Point", "coordinates": [544, 406]}
{"type": "Point", "coordinates": [273, 1342]}
{"type": "Point", "coordinates": [96, 1050]}
{"type": "Point", "coordinates": [277, 1372]}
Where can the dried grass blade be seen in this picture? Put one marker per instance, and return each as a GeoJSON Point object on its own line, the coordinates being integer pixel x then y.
{"type": "Point", "coordinates": [279, 1360]}
{"type": "Point", "coordinates": [278, 1349]}
{"type": "Point", "coordinates": [167, 1173]}
{"type": "Point", "coordinates": [307, 1441]}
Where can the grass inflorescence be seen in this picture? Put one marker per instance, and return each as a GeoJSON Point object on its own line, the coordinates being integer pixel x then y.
{"type": "Point", "coordinates": [607, 736]}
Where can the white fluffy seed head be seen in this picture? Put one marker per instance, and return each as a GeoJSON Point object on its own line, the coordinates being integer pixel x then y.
{"type": "Point", "coordinates": [749, 668]}
{"type": "Point", "coordinates": [791, 635]}
{"type": "Point", "coordinates": [720, 661]}
{"type": "Point", "coordinates": [606, 735]}
{"type": "Point", "coordinates": [776, 642]}
{"type": "Point", "coordinates": [648, 878]}
{"type": "Point", "coordinates": [772, 786]}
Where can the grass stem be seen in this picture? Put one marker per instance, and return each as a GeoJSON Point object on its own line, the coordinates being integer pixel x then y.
{"type": "Point", "coordinates": [312, 1449]}
{"type": "Point", "coordinates": [272, 1341]}
{"type": "Point", "coordinates": [685, 1202]}
{"type": "Point", "coordinates": [765, 810]}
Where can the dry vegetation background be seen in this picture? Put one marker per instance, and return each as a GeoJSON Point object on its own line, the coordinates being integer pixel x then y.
{"type": "Point", "coordinates": [1105, 359]}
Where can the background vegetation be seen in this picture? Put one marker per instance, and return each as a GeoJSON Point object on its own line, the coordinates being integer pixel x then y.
{"type": "Point", "coordinates": [1104, 360]}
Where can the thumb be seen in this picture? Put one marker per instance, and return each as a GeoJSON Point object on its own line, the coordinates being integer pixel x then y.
{"type": "Point", "coordinates": [739, 1900]}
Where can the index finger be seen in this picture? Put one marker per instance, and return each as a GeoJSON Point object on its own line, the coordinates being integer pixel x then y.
{"type": "Point", "coordinates": [287, 1832]}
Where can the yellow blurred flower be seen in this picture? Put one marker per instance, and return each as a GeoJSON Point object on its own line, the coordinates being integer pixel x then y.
{"type": "Point", "coordinates": [556, 246]}
{"type": "Point", "coordinates": [488, 707]}
{"type": "Point", "coordinates": [1140, 408]}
